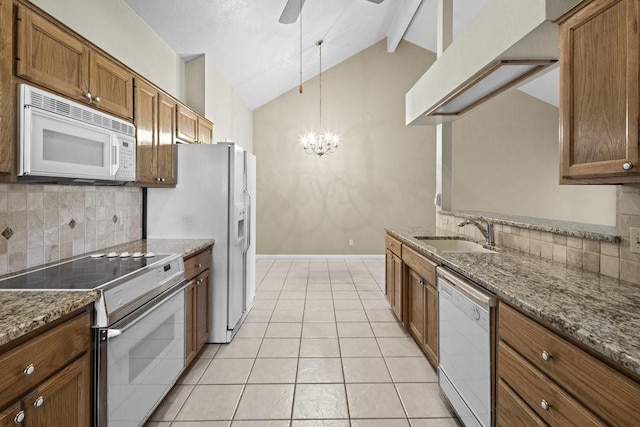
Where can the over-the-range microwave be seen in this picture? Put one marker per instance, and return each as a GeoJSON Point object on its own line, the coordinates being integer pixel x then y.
{"type": "Point", "coordinates": [66, 142]}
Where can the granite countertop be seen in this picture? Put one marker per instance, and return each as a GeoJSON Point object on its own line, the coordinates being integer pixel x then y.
{"type": "Point", "coordinates": [607, 233]}
{"type": "Point", "coordinates": [601, 312]}
{"type": "Point", "coordinates": [186, 247]}
{"type": "Point", "coordinates": [21, 312]}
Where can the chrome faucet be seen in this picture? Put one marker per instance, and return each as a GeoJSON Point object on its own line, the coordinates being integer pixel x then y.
{"type": "Point", "coordinates": [487, 232]}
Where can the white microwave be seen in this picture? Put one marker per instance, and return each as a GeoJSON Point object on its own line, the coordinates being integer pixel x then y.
{"type": "Point", "coordinates": [63, 141]}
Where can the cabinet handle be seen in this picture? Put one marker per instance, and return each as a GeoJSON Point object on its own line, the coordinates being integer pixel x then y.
{"type": "Point", "coordinates": [88, 96]}
{"type": "Point", "coordinates": [198, 265]}
{"type": "Point", "coordinates": [161, 179]}
{"type": "Point", "coordinates": [545, 405]}
{"type": "Point", "coordinates": [19, 418]}
{"type": "Point", "coordinates": [97, 99]}
{"type": "Point", "coordinates": [38, 402]}
{"type": "Point", "coordinates": [158, 179]}
{"type": "Point", "coordinates": [29, 369]}
{"type": "Point", "coordinates": [627, 166]}
{"type": "Point", "coordinates": [198, 281]}
{"type": "Point", "coordinates": [546, 356]}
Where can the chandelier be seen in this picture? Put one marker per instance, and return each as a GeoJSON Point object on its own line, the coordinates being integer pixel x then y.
{"type": "Point", "coordinates": [322, 142]}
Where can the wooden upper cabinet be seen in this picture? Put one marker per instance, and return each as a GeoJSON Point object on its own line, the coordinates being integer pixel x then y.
{"type": "Point", "coordinates": [155, 123]}
{"type": "Point", "coordinates": [146, 122]}
{"type": "Point", "coordinates": [205, 131]}
{"type": "Point", "coordinates": [186, 125]}
{"type": "Point", "coordinates": [51, 57]}
{"type": "Point", "coordinates": [111, 86]}
{"type": "Point", "coordinates": [57, 60]}
{"type": "Point", "coordinates": [599, 98]}
{"type": "Point", "coordinates": [166, 164]}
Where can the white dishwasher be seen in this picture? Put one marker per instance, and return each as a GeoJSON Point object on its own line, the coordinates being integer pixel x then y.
{"type": "Point", "coordinates": [465, 316]}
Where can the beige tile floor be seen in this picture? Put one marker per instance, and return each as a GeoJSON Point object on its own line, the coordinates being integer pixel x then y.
{"type": "Point", "coordinates": [319, 348]}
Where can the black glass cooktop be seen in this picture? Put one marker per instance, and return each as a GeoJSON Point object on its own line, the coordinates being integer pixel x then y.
{"type": "Point", "coordinates": [81, 274]}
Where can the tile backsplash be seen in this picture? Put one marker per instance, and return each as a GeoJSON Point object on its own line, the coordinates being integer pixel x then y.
{"type": "Point", "coordinates": [46, 223]}
{"type": "Point", "coordinates": [607, 258]}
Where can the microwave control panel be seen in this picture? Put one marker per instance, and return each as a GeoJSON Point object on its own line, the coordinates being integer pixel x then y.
{"type": "Point", "coordinates": [127, 159]}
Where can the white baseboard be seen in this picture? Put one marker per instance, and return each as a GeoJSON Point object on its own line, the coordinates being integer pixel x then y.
{"type": "Point", "coordinates": [280, 256]}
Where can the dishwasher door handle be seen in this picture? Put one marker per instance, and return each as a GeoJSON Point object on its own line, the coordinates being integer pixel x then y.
{"type": "Point", "coordinates": [469, 290]}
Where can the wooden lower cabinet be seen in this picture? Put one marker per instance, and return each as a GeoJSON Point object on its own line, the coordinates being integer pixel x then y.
{"type": "Point", "coordinates": [197, 269]}
{"type": "Point", "coordinates": [557, 381]}
{"type": "Point", "coordinates": [422, 302]}
{"type": "Point", "coordinates": [202, 309]}
{"type": "Point", "coordinates": [512, 411]}
{"type": "Point", "coordinates": [416, 298]}
{"type": "Point", "coordinates": [190, 330]}
{"type": "Point", "coordinates": [58, 391]}
{"type": "Point", "coordinates": [10, 416]}
{"type": "Point", "coordinates": [430, 343]}
{"type": "Point", "coordinates": [393, 284]}
{"type": "Point", "coordinates": [64, 399]}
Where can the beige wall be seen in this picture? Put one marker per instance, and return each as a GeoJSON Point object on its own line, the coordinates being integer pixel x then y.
{"type": "Point", "coordinates": [209, 93]}
{"type": "Point", "coordinates": [505, 160]}
{"type": "Point", "coordinates": [381, 175]}
{"type": "Point", "coordinates": [113, 26]}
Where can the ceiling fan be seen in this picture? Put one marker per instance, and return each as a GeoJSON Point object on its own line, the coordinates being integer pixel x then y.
{"type": "Point", "coordinates": [293, 7]}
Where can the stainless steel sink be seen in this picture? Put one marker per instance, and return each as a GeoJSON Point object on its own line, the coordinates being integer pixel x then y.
{"type": "Point", "coordinates": [454, 245]}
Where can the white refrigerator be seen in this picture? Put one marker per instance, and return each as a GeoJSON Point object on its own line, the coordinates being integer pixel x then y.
{"type": "Point", "coordinates": [214, 199]}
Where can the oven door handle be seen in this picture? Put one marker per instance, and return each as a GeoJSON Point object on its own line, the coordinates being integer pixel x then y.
{"type": "Point", "coordinates": [123, 325]}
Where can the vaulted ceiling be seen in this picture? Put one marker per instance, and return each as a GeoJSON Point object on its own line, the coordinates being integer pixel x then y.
{"type": "Point", "coordinates": [260, 57]}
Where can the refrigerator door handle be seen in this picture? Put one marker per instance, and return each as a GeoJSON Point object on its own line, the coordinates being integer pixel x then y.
{"type": "Point", "coordinates": [248, 222]}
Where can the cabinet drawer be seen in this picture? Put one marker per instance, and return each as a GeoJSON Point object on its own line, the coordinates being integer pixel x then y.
{"type": "Point", "coordinates": [420, 264]}
{"type": "Point", "coordinates": [612, 396]}
{"type": "Point", "coordinates": [47, 353]}
{"type": "Point", "coordinates": [511, 410]}
{"type": "Point", "coordinates": [394, 245]}
{"type": "Point", "coordinates": [197, 264]}
{"type": "Point", "coordinates": [536, 389]}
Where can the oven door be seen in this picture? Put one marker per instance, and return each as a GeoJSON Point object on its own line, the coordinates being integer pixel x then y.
{"type": "Point", "coordinates": [55, 146]}
{"type": "Point", "coordinates": [142, 356]}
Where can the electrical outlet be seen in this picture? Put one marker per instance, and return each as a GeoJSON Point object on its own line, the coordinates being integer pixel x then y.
{"type": "Point", "coordinates": [635, 239]}
{"type": "Point", "coordinates": [350, 242]}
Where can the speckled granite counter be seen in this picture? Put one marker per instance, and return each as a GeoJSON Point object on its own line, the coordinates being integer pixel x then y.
{"type": "Point", "coordinates": [163, 246]}
{"type": "Point", "coordinates": [601, 312]}
{"type": "Point", "coordinates": [604, 233]}
{"type": "Point", "coordinates": [23, 312]}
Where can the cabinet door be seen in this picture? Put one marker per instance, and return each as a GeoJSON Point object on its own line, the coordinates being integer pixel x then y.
{"type": "Point", "coordinates": [205, 131]}
{"type": "Point", "coordinates": [7, 103]}
{"type": "Point", "coordinates": [187, 125]}
{"type": "Point", "coordinates": [398, 294]}
{"type": "Point", "coordinates": [202, 310]}
{"type": "Point", "coordinates": [49, 56]}
{"type": "Point", "coordinates": [146, 121]}
{"type": "Point", "coordinates": [8, 416]}
{"type": "Point", "coordinates": [190, 330]}
{"type": "Point", "coordinates": [166, 150]}
{"type": "Point", "coordinates": [389, 286]}
{"type": "Point", "coordinates": [431, 324]}
{"type": "Point", "coordinates": [599, 90]}
{"type": "Point", "coordinates": [416, 319]}
{"type": "Point", "coordinates": [111, 86]}
{"type": "Point", "coordinates": [64, 399]}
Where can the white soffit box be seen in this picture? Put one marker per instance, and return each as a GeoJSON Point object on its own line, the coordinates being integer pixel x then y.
{"type": "Point", "coordinates": [504, 31]}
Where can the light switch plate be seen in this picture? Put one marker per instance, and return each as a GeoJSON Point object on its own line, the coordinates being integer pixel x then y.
{"type": "Point", "coordinates": [635, 239]}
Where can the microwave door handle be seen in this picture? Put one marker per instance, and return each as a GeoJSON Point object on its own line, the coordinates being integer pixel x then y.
{"type": "Point", "coordinates": [115, 156]}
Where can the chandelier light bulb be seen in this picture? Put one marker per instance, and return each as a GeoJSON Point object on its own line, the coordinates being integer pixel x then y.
{"type": "Point", "coordinates": [323, 142]}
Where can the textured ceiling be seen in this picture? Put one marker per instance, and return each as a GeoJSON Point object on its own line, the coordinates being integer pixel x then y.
{"type": "Point", "coordinates": [261, 57]}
